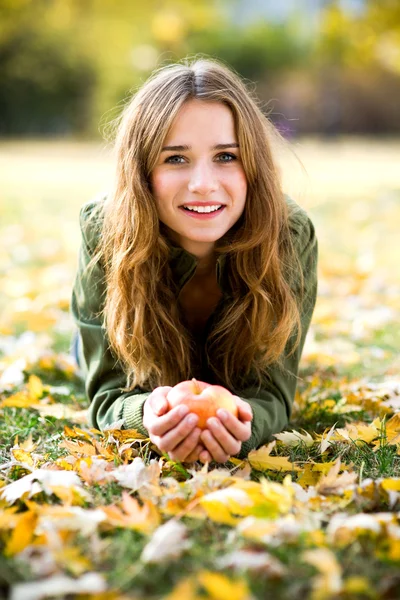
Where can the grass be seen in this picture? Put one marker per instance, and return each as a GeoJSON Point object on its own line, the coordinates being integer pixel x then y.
{"type": "Point", "coordinates": [353, 199]}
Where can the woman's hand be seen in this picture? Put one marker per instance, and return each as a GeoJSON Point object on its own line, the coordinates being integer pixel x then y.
{"type": "Point", "coordinates": [172, 431]}
{"type": "Point", "coordinates": [224, 435]}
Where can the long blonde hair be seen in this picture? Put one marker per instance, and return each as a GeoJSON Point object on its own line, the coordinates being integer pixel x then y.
{"type": "Point", "coordinates": [143, 323]}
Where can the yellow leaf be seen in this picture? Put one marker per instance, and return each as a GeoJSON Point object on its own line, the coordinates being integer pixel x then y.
{"type": "Point", "coordinates": [391, 551]}
{"type": "Point", "coordinates": [309, 475]}
{"type": "Point", "coordinates": [22, 534]}
{"type": "Point", "coordinates": [22, 456]}
{"type": "Point", "coordinates": [325, 467]}
{"type": "Point", "coordinates": [144, 518]}
{"type": "Point", "coordinates": [18, 400]}
{"type": "Point", "coordinates": [333, 483]}
{"type": "Point", "coordinates": [219, 587]}
{"type": "Point", "coordinates": [65, 464]}
{"type": "Point", "coordinates": [78, 448]}
{"type": "Point", "coordinates": [262, 461]}
{"type": "Point", "coordinates": [72, 559]}
{"type": "Point", "coordinates": [125, 435]}
{"type": "Point", "coordinates": [358, 432]}
{"type": "Point", "coordinates": [329, 582]}
{"type": "Point", "coordinates": [76, 432]}
{"type": "Point", "coordinates": [220, 504]}
{"type": "Point", "coordinates": [28, 444]}
{"type": "Point", "coordinates": [393, 429]}
{"type": "Point", "coordinates": [35, 387]}
{"type": "Point", "coordinates": [7, 517]}
{"type": "Point", "coordinates": [184, 590]}
{"type": "Point", "coordinates": [391, 483]}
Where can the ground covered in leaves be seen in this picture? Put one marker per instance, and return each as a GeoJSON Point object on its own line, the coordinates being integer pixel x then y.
{"type": "Point", "coordinates": [104, 515]}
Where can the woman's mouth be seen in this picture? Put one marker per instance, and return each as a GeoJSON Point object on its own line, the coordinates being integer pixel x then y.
{"type": "Point", "coordinates": [203, 212]}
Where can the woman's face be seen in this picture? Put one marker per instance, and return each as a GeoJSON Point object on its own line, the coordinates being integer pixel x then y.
{"type": "Point", "coordinates": [200, 167]}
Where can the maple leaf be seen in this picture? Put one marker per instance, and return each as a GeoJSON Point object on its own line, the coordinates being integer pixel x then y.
{"type": "Point", "coordinates": [312, 472]}
{"type": "Point", "coordinates": [333, 483]}
{"type": "Point", "coordinates": [78, 448]}
{"type": "Point", "coordinates": [392, 431]}
{"type": "Point", "coordinates": [136, 475]}
{"type": "Point", "coordinates": [143, 518]}
{"type": "Point", "coordinates": [294, 437]}
{"type": "Point", "coordinates": [95, 470]}
{"type": "Point", "coordinates": [261, 460]}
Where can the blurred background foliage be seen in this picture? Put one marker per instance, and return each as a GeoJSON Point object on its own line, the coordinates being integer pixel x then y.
{"type": "Point", "coordinates": [327, 67]}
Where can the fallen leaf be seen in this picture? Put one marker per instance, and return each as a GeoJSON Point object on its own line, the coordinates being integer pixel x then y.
{"type": "Point", "coordinates": [333, 483]}
{"type": "Point", "coordinates": [167, 543]}
{"type": "Point", "coordinates": [89, 583]}
{"type": "Point", "coordinates": [42, 480]}
{"type": "Point", "coordinates": [220, 587]}
{"type": "Point", "coordinates": [22, 534]}
{"type": "Point", "coordinates": [262, 461]}
{"type": "Point", "coordinates": [329, 582]}
{"type": "Point", "coordinates": [137, 474]}
{"type": "Point", "coordinates": [294, 437]}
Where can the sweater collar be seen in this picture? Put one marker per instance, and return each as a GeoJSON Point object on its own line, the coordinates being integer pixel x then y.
{"type": "Point", "coordinates": [183, 265]}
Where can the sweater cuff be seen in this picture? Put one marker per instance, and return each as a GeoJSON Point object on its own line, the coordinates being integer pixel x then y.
{"type": "Point", "coordinates": [132, 412]}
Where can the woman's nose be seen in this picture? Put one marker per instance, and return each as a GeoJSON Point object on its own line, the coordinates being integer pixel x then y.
{"type": "Point", "coordinates": [202, 180]}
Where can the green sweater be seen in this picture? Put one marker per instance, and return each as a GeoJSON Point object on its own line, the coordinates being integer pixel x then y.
{"type": "Point", "coordinates": [104, 376]}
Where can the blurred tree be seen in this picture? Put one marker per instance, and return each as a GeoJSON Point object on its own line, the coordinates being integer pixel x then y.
{"type": "Point", "coordinates": [47, 81]}
{"type": "Point", "coordinates": [68, 66]}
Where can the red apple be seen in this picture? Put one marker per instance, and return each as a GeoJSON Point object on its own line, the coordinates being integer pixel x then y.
{"type": "Point", "coordinates": [202, 399]}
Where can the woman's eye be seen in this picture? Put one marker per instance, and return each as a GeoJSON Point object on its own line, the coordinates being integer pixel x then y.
{"type": "Point", "coordinates": [227, 157]}
{"type": "Point", "coordinates": [176, 159]}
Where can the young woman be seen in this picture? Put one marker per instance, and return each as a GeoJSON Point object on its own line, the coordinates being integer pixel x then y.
{"type": "Point", "coordinates": [194, 265]}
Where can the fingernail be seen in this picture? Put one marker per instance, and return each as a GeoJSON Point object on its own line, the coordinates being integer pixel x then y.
{"type": "Point", "coordinates": [222, 414]}
{"type": "Point", "coordinates": [192, 420]}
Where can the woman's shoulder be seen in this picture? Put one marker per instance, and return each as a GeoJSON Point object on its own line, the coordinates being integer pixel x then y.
{"type": "Point", "coordinates": [91, 219]}
{"type": "Point", "coordinates": [300, 223]}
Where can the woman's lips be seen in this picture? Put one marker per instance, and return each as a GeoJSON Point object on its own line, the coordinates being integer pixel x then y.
{"type": "Point", "coordinates": [202, 216]}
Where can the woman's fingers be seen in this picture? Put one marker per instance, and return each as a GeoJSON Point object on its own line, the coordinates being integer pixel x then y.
{"type": "Point", "coordinates": [187, 447]}
{"type": "Point", "coordinates": [170, 440]}
{"type": "Point", "coordinates": [168, 421]}
{"type": "Point", "coordinates": [205, 456]}
{"type": "Point", "coordinates": [244, 409]}
{"type": "Point", "coordinates": [214, 447]}
{"type": "Point", "coordinates": [230, 444]}
{"type": "Point", "coordinates": [240, 428]}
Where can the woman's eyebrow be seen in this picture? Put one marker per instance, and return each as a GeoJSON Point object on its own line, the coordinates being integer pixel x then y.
{"type": "Point", "coordinates": [183, 148]}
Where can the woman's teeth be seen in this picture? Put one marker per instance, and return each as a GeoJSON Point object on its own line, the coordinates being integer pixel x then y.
{"type": "Point", "coordinates": [203, 209]}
